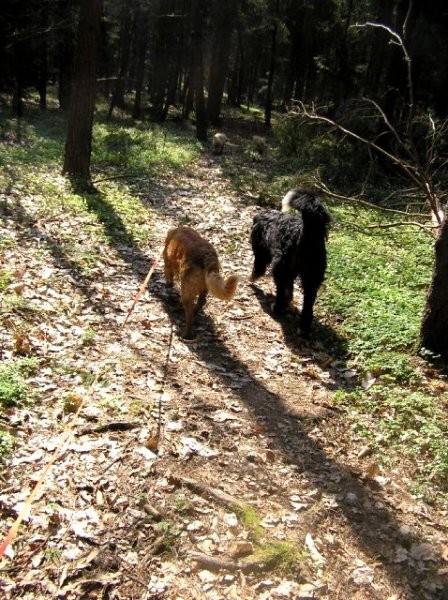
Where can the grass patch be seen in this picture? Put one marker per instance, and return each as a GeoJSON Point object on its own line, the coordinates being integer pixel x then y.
{"type": "Point", "coordinates": [284, 556]}
{"type": "Point", "coordinates": [13, 387]}
{"type": "Point", "coordinates": [7, 442]}
{"type": "Point", "coordinates": [403, 424]}
{"type": "Point", "coordinates": [250, 519]}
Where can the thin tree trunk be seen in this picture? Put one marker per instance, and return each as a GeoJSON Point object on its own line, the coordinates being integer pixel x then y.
{"type": "Point", "coordinates": [141, 47]}
{"type": "Point", "coordinates": [78, 143]}
{"type": "Point", "coordinates": [125, 46]}
{"type": "Point", "coordinates": [197, 9]}
{"type": "Point", "coordinates": [273, 60]}
{"type": "Point", "coordinates": [223, 19]}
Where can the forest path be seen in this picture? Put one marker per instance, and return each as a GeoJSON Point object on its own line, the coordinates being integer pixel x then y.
{"type": "Point", "coordinates": [246, 408]}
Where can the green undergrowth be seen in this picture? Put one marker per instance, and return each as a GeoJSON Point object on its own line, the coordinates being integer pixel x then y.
{"type": "Point", "coordinates": [13, 387]}
{"type": "Point", "coordinates": [14, 391]}
{"type": "Point", "coordinates": [369, 312]}
{"type": "Point", "coordinates": [376, 288]}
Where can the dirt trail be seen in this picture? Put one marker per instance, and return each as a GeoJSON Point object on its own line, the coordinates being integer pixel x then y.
{"type": "Point", "coordinates": [246, 408]}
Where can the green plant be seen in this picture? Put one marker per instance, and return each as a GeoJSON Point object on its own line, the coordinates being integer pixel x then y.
{"type": "Point", "coordinates": [13, 386]}
{"type": "Point", "coordinates": [392, 367]}
{"type": "Point", "coordinates": [181, 503]}
{"type": "Point", "coordinates": [7, 442]}
{"type": "Point", "coordinates": [88, 337]}
{"type": "Point", "coordinates": [6, 277]}
{"type": "Point", "coordinates": [169, 534]}
{"type": "Point", "coordinates": [250, 519]}
{"type": "Point", "coordinates": [284, 556]}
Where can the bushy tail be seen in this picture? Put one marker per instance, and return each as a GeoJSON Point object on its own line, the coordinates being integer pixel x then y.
{"type": "Point", "coordinates": [311, 207]}
{"type": "Point", "coordinates": [224, 290]}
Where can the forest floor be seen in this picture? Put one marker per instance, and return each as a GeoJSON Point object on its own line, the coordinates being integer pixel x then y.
{"type": "Point", "coordinates": [216, 468]}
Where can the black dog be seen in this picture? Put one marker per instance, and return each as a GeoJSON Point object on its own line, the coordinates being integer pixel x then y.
{"type": "Point", "coordinates": [296, 248]}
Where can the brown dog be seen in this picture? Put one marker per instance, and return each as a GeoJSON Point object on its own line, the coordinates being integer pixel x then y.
{"type": "Point", "coordinates": [194, 261]}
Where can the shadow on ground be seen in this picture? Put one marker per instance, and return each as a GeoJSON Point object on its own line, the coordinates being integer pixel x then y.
{"type": "Point", "coordinates": [375, 526]}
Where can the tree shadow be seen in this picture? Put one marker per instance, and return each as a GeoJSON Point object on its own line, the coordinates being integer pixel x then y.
{"type": "Point", "coordinates": [321, 335]}
{"type": "Point", "coordinates": [377, 529]}
{"type": "Point", "coordinates": [359, 501]}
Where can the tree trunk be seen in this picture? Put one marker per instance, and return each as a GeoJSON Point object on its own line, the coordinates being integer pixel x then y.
{"type": "Point", "coordinates": [434, 328]}
{"type": "Point", "coordinates": [141, 47]}
{"type": "Point", "coordinates": [125, 48]}
{"type": "Point", "coordinates": [197, 8]}
{"type": "Point", "coordinates": [273, 60]}
{"type": "Point", "coordinates": [223, 20]}
{"type": "Point", "coordinates": [78, 144]}
{"type": "Point", "coordinates": [64, 53]}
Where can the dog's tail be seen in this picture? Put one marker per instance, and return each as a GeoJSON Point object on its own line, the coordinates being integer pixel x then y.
{"type": "Point", "coordinates": [313, 210]}
{"type": "Point", "coordinates": [220, 288]}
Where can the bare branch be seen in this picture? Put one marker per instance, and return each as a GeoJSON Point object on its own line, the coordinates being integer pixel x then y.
{"type": "Point", "coordinates": [407, 58]}
{"type": "Point", "coordinates": [356, 200]}
{"type": "Point", "coordinates": [409, 169]}
{"type": "Point", "coordinates": [429, 229]}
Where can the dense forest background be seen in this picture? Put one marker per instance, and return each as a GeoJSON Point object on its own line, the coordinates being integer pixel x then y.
{"type": "Point", "coordinates": [268, 53]}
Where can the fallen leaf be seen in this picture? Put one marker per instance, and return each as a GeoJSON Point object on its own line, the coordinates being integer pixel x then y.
{"type": "Point", "coordinates": [314, 553]}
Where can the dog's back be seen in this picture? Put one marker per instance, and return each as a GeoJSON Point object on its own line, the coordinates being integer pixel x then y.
{"type": "Point", "coordinates": [187, 250]}
{"type": "Point", "coordinates": [194, 261]}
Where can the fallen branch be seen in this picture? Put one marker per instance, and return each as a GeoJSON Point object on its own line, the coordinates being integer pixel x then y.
{"type": "Point", "coordinates": [205, 490]}
{"type": "Point", "coordinates": [212, 563]}
{"type": "Point", "coordinates": [429, 229]}
{"type": "Point", "coordinates": [113, 426]}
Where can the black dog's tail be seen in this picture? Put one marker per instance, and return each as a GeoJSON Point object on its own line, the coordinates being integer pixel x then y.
{"type": "Point", "coordinates": [314, 213]}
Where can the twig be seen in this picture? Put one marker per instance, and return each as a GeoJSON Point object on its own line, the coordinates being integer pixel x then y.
{"type": "Point", "coordinates": [430, 229]}
{"type": "Point", "coordinates": [128, 175]}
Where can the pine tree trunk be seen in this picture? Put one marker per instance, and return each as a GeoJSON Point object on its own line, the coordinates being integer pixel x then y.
{"type": "Point", "coordinates": [434, 328]}
{"type": "Point", "coordinates": [273, 61]}
{"type": "Point", "coordinates": [223, 20]}
{"type": "Point", "coordinates": [141, 45]}
{"type": "Point", "coordinates": [78, 144]}
{"type": "Point", "coordinates": [125, 48]}
{"type": "Point", "coordinates": [197, 8]}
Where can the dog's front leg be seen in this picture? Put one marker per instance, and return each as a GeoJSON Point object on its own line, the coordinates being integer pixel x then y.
{"type": "Point", "coordinates": [283, 289]}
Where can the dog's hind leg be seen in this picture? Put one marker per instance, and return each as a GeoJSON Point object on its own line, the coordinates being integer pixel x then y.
{"type": "Point", "coordinates": [202, 299]}
{"type": "Point", "coordinates": [168, 272]}
{"type": "Point", "coordinates": [188, 304]}
{"type": "Point", "coordinates": [188, 295]}
{"type": "Point", "coordinates": [310, 289]}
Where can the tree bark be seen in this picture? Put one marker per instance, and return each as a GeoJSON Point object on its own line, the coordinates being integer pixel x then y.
{"type": "Point", "coordinates": [197, 9]}
{"type": "Point", "coordinates": [64, 53]}
{"type": "Point", "coordinates": [434, 328]}
{"type": "Point", "coordinates": [273, 61]}
{"type": "Point", "coordinates": [141, 45]}
{"type": "Point", "coordinates": [223, 20]}
{"type": "Point", "coordinates": [78, 144]}
{"type": "Point", "coordinates": [125, 48]}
